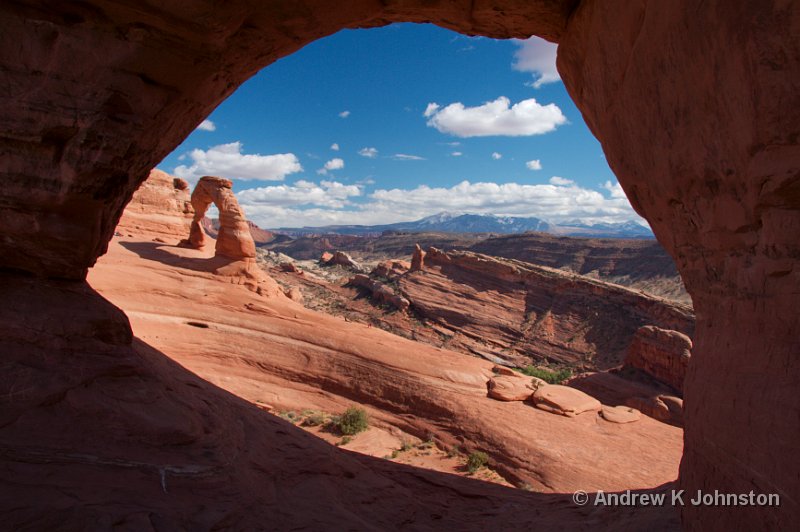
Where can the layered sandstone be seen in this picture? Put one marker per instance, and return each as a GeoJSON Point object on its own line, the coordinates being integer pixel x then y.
{"type": "Point", "coordinates": [233, 237]}
{"type": "Point", "coordinates": [379, 292]}
{"type": "Point", "coordinates": [661, 353]}
{"type": "Point", "coordinates": [517, 312]}
{"type": "Point", "coordinates": [161, 207]}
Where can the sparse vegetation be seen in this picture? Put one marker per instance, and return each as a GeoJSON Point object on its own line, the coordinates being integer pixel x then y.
{"type": "Point", "coordinates": [476, 460]}
{"type": "Point", "coordinates": [345, 440]}
{"type": "Point", "coordinates": [315, 419]}
{"type": "Point", "coordinates": [548, 376]}
{"type": "Point", "coordinates": [454, 451]}
{"type": "Point", "coordinates": [289, 415]}
{"type": "Point", "coordinates": [353, 421]}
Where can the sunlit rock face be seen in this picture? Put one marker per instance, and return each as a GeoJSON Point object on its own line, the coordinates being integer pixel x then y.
{"type": "Point", "coordinates": [233, 236]}
{"type": "Point", "coordinates": [696, 105]}
{"type": "Point", "coordinates": [698, 111]}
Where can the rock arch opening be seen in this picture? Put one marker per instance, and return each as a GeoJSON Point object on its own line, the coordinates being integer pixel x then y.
{"type": "Point", "coordinates": [714, 171]}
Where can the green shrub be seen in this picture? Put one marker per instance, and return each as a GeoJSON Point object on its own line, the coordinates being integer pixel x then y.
{"type": "Point", "coordinates": [477, 460]}
{"type": "Point", "coordinates": [548, 376]}
{"type": "Point", "coordinates": [315, 419]}
{"type": "Point", "coordinates": [353, 421]}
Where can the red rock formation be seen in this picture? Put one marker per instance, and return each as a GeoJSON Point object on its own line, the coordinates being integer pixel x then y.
{"type": "Point", "coordinates": [564, 400]}
{"type": "Point", "coordinates": [341, 258]}
{"type": "Point", "coordinates": [418, 259]}
{"type": "Point", "coordinates": [390, 269]}
{"type": "Point", "coordinates": [515, 387]}
{"type": "Point", "coordinates": [233, 238]}
{"type": "Point", "coordinates": [696, 106]}
{"type": "Point", "coordinates": [161, 206]}
{"type": "Point", "coordinates": [325, 257]}
{"type": "Point", "coordinates": [661, 353]}
{"type": "Point", "coordinates": [514, 311]}
{"type": "Point", "coordinates": [380, 293]}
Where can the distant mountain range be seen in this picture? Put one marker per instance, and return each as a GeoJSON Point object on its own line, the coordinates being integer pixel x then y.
{"type": "Point", "coordinates": [481, 223]}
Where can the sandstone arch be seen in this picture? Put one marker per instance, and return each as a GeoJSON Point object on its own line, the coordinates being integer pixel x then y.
{"type": "Point", "coordinates": [696, 105]}
{"type": "Point", "coordinates": [234, 239]}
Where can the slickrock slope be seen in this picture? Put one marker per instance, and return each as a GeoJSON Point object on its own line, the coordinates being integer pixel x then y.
{"type": "Point", "coordinates": [514, 311]}
{"type": "Point", "coordinates": [639, 264]}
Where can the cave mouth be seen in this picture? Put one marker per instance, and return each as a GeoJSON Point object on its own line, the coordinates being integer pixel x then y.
{"type": "Point", "coordinates": [546, 333]}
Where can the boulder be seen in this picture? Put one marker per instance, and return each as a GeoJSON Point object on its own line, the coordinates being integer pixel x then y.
{"type": "Point", "coordinates": [620, 414]}
{"type": "Point", "coordinates": [325, 257]}
{"type": "Point", "coordinates": [341, 258]}
{"type": "Point", "coordinates": [289, 267]}
{"type": "Point", "coordinates": [665, 408]}
{"type": "Point", "coordinates": [510, 387]}
{"type": "Point", "coordinates": [564, 400]}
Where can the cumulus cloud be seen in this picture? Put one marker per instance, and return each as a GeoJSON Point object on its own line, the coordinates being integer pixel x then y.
{"type": "Point", "coordinates": [334, 164]}
{"type": "Point", "coordinates": [331, 194]}
{"type": "Point", "coordinates": [227, 160]}
{"type": "Point", "coordinates": [330, 202]}
{"type": "Point", "coordinates": [456, 154]}
{"type": "Point", "coordinates": [369, 153]}
{"type": "Point", "coordinates": [344, 114]}
{"type": "Point", "coordinates": [495, 118]}
{"type": "Point", "coordinates": [615, 189]}
{"type": "Point", "coordinates": [207, 125]}
{"type": "Point", "coordinates": [497, 156]}
{"type": "Point", "coordinates": [335, 146]}
{"type": "Point", "coordinates": [535, 164]}
{"type": "Point", "coordinates": [537, 56]}
{"type": "Point", "coordinates": [560, 181]}
{"type": "Point", "coordinates": [407, 157]}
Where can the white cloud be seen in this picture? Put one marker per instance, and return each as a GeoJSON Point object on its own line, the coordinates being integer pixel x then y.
{"type": "Point", "coordinates": [497, 156]}
{"type": "Point", "coordinates": [369, 153]}
{"type": "Point", "coordinates": [335, 146]}
{"type": "Point", "coordinates": [330, 194]}
{"type": "Point", "coordinates": [407, 157]}
{"type": "Point", "coordinates": [615, 189]}
{"type": "Point", "coordinates": [334, 164]}
{"type": "Point", "coordinates": [227, 160]}
{"type": "Point", "coordinates": [206, 125]}
{"type": "Point", "coordinates": [498, 117]}
{"type": "Point", "coordinates": [344, 114]}
{"type": "Point", "coordinates": [456, 154]}
{"type": "Point", "coordinates": [535, 164]}
{"type": "Point", "coordinates": [539, 57]}
{"type": "Point", "coordinates": [430, 109]}
{"type": "Point", "coordinates": [560, 181]}
{"type": "Point", "coordinates": [330, 202]}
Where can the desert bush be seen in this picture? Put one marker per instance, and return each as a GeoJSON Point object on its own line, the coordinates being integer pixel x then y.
{"type": "Point", "coordinates": [548, 376]}
{"type": "Point", "coordinates": [353, 421]}
{"type": "Point", "coordinates": [476, 460]}
{"type": "Point", "coordinates": [315, 419]}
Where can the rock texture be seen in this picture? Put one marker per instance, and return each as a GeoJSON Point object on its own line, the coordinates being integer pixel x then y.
{"type": "Point", "coordinates": [511, 387]}
{"type": "Point", "coordinates": [380, 293]}
{"type": "Point", "coordinates": [233, 237]}
{"type": "Point", "coordinates": [341, 258]}
{"type": "Point", "coordinates": [725, 206]}
{"type": "Point", "coordinates": [418, 259]}
{"type": "Point", "coordinates": [518, 312]}
{"type": "Point", "coordinates": [564, 400]}
{"type": "Point", "coordinates": [620, 414]}
{"type": "Point", "coordinates": [661, 353]}
{"type": "Point", "coordinates": [161, 207]}
{"type": "Point", "coordinates": [696, 107]}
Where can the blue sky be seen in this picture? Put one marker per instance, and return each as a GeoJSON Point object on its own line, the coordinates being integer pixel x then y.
{"type": "Point", "coordinates": [397, 123]}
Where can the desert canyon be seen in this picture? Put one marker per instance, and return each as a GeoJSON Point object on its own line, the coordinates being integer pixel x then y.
{"type": "Point", "coordinates": [156, 368]}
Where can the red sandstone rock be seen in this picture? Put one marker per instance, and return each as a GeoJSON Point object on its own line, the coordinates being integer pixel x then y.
{"type": "Point", "coordinates": [518, 312]}
{"type": "Point", "coordinates": [289, 267]}
{"type": "Point", "coordinates": [418, 259]}
{"type": "Point", "coordinates": [695, 106]}
{"type": "Point", "coordinates": [510, 387]}
{"type": "Point", "coordinates": [666, 408]}
{"type": "Point", "coordinates": [233, 239]}
{"type": "Point", "coordinates": [661, 353]}
{"type": "Point", "coordinates": [260, 236]}
{"type": "Point", "coordinates": [380, 292]}
{"type": "Point", "coordinates": [160, 206]}
{"type": "Point", "coordinates": [325, 257]}
{"type": "Point", "coordinates": [620, 414]}
{"type": "Point", "coordinates": [564, 400]}
{"type": "Point", "coordinates": [341, 258]}
{"type": "Point", "coordinates": [390, 269]}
